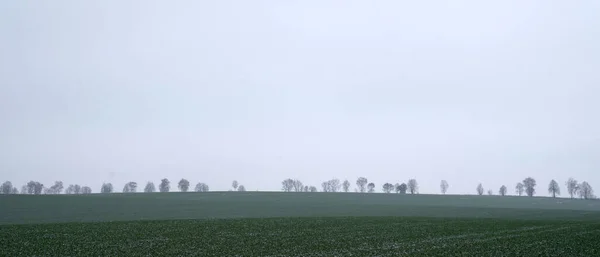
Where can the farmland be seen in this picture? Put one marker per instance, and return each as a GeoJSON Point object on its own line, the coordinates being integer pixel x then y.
{"type": "Point", "coordinates": [296, 224]}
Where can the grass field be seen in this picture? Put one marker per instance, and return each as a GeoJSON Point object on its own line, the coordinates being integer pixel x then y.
{"type": "Point", "coordinates": [296, 224]}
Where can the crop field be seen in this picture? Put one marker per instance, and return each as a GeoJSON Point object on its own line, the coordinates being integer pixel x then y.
{"type": "Point", "coordinates": [350, 236]}
{"type": "Point", "coordinates": [290, 224]}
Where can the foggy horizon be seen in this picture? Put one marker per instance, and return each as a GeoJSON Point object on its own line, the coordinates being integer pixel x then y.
{"type": "Point", "coordinates": [258, 92]}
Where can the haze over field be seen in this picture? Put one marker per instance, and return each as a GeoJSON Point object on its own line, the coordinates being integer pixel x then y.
{"type": "Point", "coordinates": [259, 91]}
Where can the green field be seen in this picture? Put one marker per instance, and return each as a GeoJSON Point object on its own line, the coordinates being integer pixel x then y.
{"type": "Point", "coordinates": [296, 224]}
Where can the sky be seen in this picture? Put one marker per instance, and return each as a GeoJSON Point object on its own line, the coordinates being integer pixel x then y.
{"type": "Point", "coordinates": [259, 91]}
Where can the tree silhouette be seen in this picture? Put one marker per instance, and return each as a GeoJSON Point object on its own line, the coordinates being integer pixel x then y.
{"type": "Point", "coordinates": [553, 188]}
{"type": "Point", "coordinates": [480, 189]}
{"type": "Point", "coordinates": [361, 184]}
{"type": "Point", "coordinates": [413, 186]}
{"type": "Point", "coordinates": [529, 184]}
{"type": "Point", "coordinates": [444, 186]}
{"type": "Point", "coordinates": [502, 190]}
{"type": "Point", "coordinates": [164, 185]}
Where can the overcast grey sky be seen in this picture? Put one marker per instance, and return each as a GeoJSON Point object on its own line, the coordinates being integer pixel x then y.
{"type": "Point", "coordinates": [259, 91]}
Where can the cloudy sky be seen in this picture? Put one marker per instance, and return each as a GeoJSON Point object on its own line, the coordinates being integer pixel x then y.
{"type": "Point", "coordinates": [259, 91]}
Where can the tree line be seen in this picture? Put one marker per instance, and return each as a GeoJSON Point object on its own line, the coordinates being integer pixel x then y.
{"type": "Point", "coordinates": [362, 186]}
{"type": "Point", "coordinates": [582, 190]}
{"type": "Point", "coordinates": [527, 186]}
{"type": "Point", "coordinates": [37, 188]}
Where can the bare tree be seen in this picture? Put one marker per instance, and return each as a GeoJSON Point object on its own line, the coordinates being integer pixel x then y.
{"type": "Point", "coordinates": [572, 186]}
{"type": "Point", "coordinates": [312, 189]}
{"type": "Point", "coordinates": [529, 184]}
{"type": "Point", "coordinates": [361, 184]}
{"type": "Point", "coordinates": [235, 185]}
{"type": "Point", "coordinates": [297, 185]}
{"type": "Point", "coordinates": [480, 189]}
{"type": "Point", "coordinates": [106, 188]}
{"type": "Point", "coordinates": [14, 191]}
{"type": "Point", "coordinates": [130, 187]}
{"type": "Point", "coordinates": [520, 188]}
{"type": "Point", "coordinates": [287, 185]}
{"type": "Point", "coordinates": [201, 187]}
{"type": "Point", "coordinates": [325, 186]}
{"type": "Point", "coordinates": [332, 185]}
{"type": "Point", "coordinates": [553, 188]}
{"type": "Point", "coordinates": [6, 188]}
{"type": "Point", "coordinates": [388, 188]}
{"type": "Point", "coordinates": [502, 190]}
{"type": "Point", "coordinates": [183, 185]}
{"type": "Point", "coordinates": [346, 185]}
{"type": "Point", "coordinates": [77, 189]}
{"type": "Point", "coordinates": [490, 192]}
{"type": "Point", "coordinates": [165, 185]}
{"type": "Point", "coordinates": [70, 190]}
{"type": "Point", "coordinates": [585, 191]}
{"type": "Point", "coordinates": [150, 188]}
{"type": "Point", "coordinates": [402, 188]}
{"type": "Point", "coordinates": [241, 188]}
{"type": "Point", "coordinates": [413, 186]}
{"type": "Point", "coordinates": [35, 188]}
{"type": "Point", "coordinates": [86, 190]}
{"type": "Point", "coordinates": [444, 186]}
{"type": "Point", "coordinates": [306, 188]}
{"type": "Point", "coordinates": [56, 188]}
{"type": "Point", "coordinates": [371, 187]}
{"type": "Point", "coordinates": [24, 190]}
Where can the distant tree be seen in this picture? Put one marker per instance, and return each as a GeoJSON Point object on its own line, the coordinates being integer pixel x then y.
{"type": "Point", "coordinates": [402, 188]}
{"type": "Point", "coordinates": [444, 186]}
{"type": "Point", "coordinates": [413, 186]}
{"type": "Point", "coordinates": [130, 187]}
{"type": "Point", "coordinates": [371, 187]}
{"type": "Point", "coordinates": [56, 188]}
{"type": "Point", "coordinates": [150, 188]}
{"type": "Point", "coordinates": [35, 188]}
{"type": "Point", "coordinates": [520, 188]}
{"type": "Point", "coordinates": [287, 185]}
{"type": "Point", "coordinates": [6, 188]}
{"type": "Point", "coordinates": [241, 188]}
{"type": "Point", "coordinates": [332, 185]}
{"type": "Point", "coordinates": [490, 192]}
{"type": "Point", "coordinates": [325, 186]}
{"type": "Point", "coordinates": [86, 190]}
{"type": "Point", "coordinates": [165, 185]}
{"type": "Point", "coordinates": [305, 188]}
{"type": "Point", "coordinates": [201, 187]}
{"type": "Point", "coordinates": [24, 190]}
{"type": "Point", "coordinates": [235, 185]}
{"type": "Point", "coordinates": [297, 185]}
{"type": "Point", "coordinates": [553, 188]}
{"type": "Point", "coordinates": [15, 191]}
{"type": "Point", "coordinates": [502, 190]}
{"type": "Point", "coordinates": [572, 186]}
{"type": "Point", "coordinates": [312, 189]}
{"type": "Point", "coordinates": [183, 185]}
{"type": "Point", "coordinates": [529, 184]}
{"type": "Point", "coordinates": [77, 189]}
{"type": "Point", "coordinates": [361, 184]}
{"type": "Point", "coordinates": [388, 188]}
{"type": "Point", "coordinates": [397, 188]}
{"type": "Point", "coordinates": [480, 189]}
{"type": "Point", "coordinates": [346, 186]}
{"type": "Point", "coordinates": [106, 188]}
{"type": "Point", "coordinates": [585, 191]}
{"type": "Point", "coordinates": [70, 190]}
